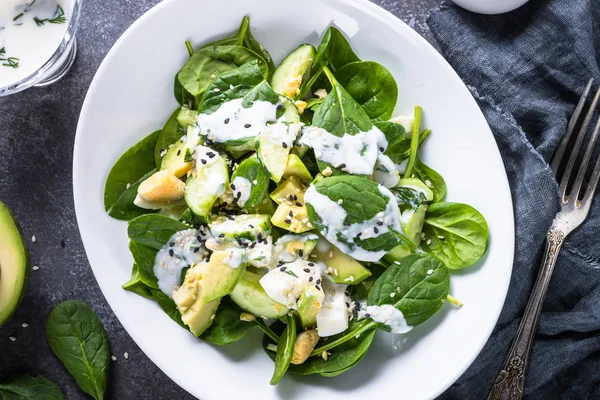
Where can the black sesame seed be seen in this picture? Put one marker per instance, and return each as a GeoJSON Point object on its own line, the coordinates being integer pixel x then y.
{"type": "Point", "coordinates": [342, 165]}
{"type": "Point", "coordinates": [347, 293]}
{"type": "Point", "coordinates": [251, 226]}
{"type": "Point", "coordinates": [279, 106]}
{"type": "Point", "coordinates": [208, 257]}
{"type": "Point", "coordinates": [253, 245]}
{"type": "Point", "coordinates": [348, 305]}
{"type": "Point", "coordinates": [318, 281]}
{"type": "Point", "coordinates": [222, 235]}
{"type": "Point", "coordinates": [381, 149]}
{"type": "Point", "coordinates": [306, 270]}
{"type": "Point", "coordinates": [311, 264]}
{"type": "Point", "coordinates": [210, 154]}
{"type": "Point", "coordinates": [300, 253]}
{"type": "Point", "coordinates": [202, 233]}
{"type": "Point", "coordinates": [299, 204]}
{"type": "Point", "coordinates": [229, 217]}
{"type": "Point", "coordinates": [295, 197]}
{"type": "Point", "coordinates": [282, 269]}
{"type": "Point", "coordinates": [172, 244]}
{"type": "Point", "coordinates": [239, 194]}
{"type": "Point", "coordinates": [287, 221]}
{"type": "Point", "coordinates": [317, 287]}
{"type": "Point", "coordinates": [247, 126]}
{"type": "Point", "coordinates": [197, 249]}
{"type": "Point", "coordinates": [359, 234]}
{"type": "Point", "coordinates": [239, 241]}
{"type": "Point", "coordinates": [198, 238]}
{"type": "Point", "coordinates": [367, 315]}
{"type": "Point", "coordinates": [171, 252]}
{"type": "Point", "coordinates": [259, 236]}
{"type": "Point", "coordinates": [280, 263]}
{"type": "Point", "coordinates": [380, 223]}
{"type": "Point", "coordinates": [178, 152]}
{"type": "Point", "coordinates": [291, 214]}
{"type": "Point", "coordinates": [291, 197]}
{"type": "Point", "coordinates": [310, 279]}
{"type": "Point", "coordinates": [232, 186]}
{"type": "Point", "coordinates": [203, 161]}
{"type": "Point", "coordinates": [376, 230]}
{"type": "Point", "coordinates": [284, 144]}
{"type": "Point", "coordinates": [226, 121]}
{"type": "Point", "coordinates": [161, 150]}
{"type": "Point", "coordinates": [357, 307]}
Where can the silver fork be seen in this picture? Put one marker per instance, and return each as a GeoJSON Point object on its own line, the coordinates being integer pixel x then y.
{"type": "Point", "coordinates": [509, 382]}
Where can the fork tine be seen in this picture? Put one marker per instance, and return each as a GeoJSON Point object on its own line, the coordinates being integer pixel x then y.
{"type": "Point", "coordinates": [580, 136]}
{"type": "Point", "coordinates": [585, 162]}
{"type": "Point", "coordinates": [589, 193]}
{"type": "Point", "coordinates": [560, 151]}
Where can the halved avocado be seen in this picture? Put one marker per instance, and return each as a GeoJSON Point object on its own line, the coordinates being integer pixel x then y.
{"type": "Point", "coordinates": [14, 264]}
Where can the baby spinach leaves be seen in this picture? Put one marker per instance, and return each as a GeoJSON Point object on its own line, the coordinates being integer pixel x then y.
{"type": "Point", "coordinates": [134, 164]}
{"type": "Point", "coordinates": [227, 326]}
{"type": "Point", "coordinates": [372, 86]}
{"type": "Point", "coordinates": [285, 349]}
{"type": "Point", "coordinates": [431, 178]}
{"type": "Point", "coordinates": [23, 387]}
{"type": "Point", "coordinates": [456, 233]}
{"type": "Point", "coordinates": [258, 177]}
{"type": "Point", "coordinates": [416, 285]}
{"type": "Point", "coordinates": [334, 51]}
{"type": "Point", "coordinates": [169, 134]}
{"type": "Point", "coordinates": [124, 209]}
{"type": "Point", "coordinates": [137, 285]}
{"type": "Point", "coordinates": [154, 230]}
{"type": "Point", "coordinates": [78, 339]}
{"type": "Point", "coordinates": [168, 306]}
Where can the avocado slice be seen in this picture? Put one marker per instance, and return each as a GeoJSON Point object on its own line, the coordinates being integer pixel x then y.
{"type": "Point", "coordinates": [308, 306]}
{"type": "Point", "coordinates": [220, 275]}
{"type": "Point", "coordinates": [293, 218]}
{"type": "Point", "coordinates": [295, 167]}
{"type": "Point", "coordinates": [345, 269]}
{"type": "Point", "coordinates": [290, 247]}
{"type": "Point", "coordinates": [288, 189]}
{"type": "Point", "coordinates": [14, 264]}
{"type": "Point", "coordinates": [174, 159]}
{"type": "Point", "coordinates": [249, 295]}
{"type": "Point", "coordinates": [246, 226]}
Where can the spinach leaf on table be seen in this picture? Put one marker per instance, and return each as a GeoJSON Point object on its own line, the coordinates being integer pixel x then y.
{"type": "Point", "coordinates": [227, 326]}
{"type": "Point", "coordinates": [124, 209]}
{"type": "Point", "coordinates": [168, 306]}
{"type": "Point", "coordinates": [372, 86]}
{"type": "Point", "coordinates": [154, 230]}
{"type": "Point", "coordinates": [136, 285]}
{"type": "Point", "coordinates": [136, 162]}
{"type": "Point", "coordinates": [419, 284]}
{"type": "Point", "coordinates": [285, 349]}
{"type": "Point", "coordinates": [78, 339]}
{"type": "Point", "coordinates": [456, 233]}
{"type": "Point", "coordinates": [24, 387]}
{"type": "Point", "coordinates": [341, 359]}
{"type": "Point", "coordinates": [253, 170]}
{"type": "Point", "coordinates": [169, 134]}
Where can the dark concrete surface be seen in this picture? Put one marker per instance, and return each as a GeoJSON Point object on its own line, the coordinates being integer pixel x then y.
{"type": "Point", "coordinates": [37, 130]}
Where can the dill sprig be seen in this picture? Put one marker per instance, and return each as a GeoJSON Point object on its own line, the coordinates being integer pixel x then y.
{"type": "Point", "coordinates": [12, 62]}
{"type": "Point", "coordinates": [58, 18]}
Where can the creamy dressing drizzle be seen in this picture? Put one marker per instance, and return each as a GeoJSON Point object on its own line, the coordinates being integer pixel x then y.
{"type": "Point", "coordinates": [385, 172]}
{"type": "Point", "coordinates": [281, 252]}
{"type": "Point", "coordinates": [356, 153]}
{"type": "Point", "coordinates": [243, 187]}
{"type": "Point", "coordinates": [333, 316]}
{"type": "Point", "coordinates": [333, 215]}
{"type": "Point", "coordinates": [286, 283]}
{"type": "Point", "coordinates": [234, 122]}
{"type": "Point", "coordinates": [186, 250]}
{"type": "Point", "coordinates": [214, 183]}
{"type": "Point", "coordinates": [386, 314]}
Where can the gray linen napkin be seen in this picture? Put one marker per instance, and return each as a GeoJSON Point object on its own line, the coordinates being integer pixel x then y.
{"type": "Point", "coordinates": [527, 70]}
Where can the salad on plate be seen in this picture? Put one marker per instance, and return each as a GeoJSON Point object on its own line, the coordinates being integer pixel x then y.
{"type": "Point", "coordinates": [293, 200]}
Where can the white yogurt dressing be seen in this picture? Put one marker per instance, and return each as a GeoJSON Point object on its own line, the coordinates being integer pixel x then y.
{"type": "Point", "coordinates": [242, 186]}
{"type": "Point", "coordinates": [182, 250]}
{"type": "Point", "coordinates": [286, 283]}
{"type": "Point", "coordinates": [388, 315]}
{"type": "Point", "coordinates": [333, 316]}
{"type": "Point", "coordinates": [260, 255]}
{"type": "Point", "coordinates": [355, 154]}
{"type": "Point", "coordinates": [215, 183]}
{"type": "Point", "coordinates": [385, 172]}
{"type": "Point", "coordinates": [280, 250]}
{"type": "Point", "coordinates": [333, 216]}
{"type": "Point", "coordinates": [232, 121]}
{"type": "Point", "coordinates": [30, 33]}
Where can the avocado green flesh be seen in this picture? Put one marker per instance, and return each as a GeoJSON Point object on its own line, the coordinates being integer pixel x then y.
{"type": "Point", "coordinates": [415, 225]}
{"type": "Point", "coordinates": [249, 295]}
{"type": "Point", "coordinates": [14, 264]}
{"type": "Point", "coordinates": [290, 187]}
{"type": "Point", "coordinates": [309, 304]}
{"type": "Point", "coordinates": [295, 167]}
{"type": "Point", "coordinates": [346, 269]}
{"type": "Point", "coordinates": [397, 253]}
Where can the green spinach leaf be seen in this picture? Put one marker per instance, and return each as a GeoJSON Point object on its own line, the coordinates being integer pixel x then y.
{"type": "Point", "coordinates": [372, 86]}
{"type": "Point", "coordinates": [168, 306]}
{"type": "Point", "coordinates": [78, 339]}
{"type": "Point", "coordinates": [143, 257]}
{"type": "Point", "coordinates": [341, 358]}
{"type": "Point", "coordinates": [131, 166]}
{"type": "Point", "coordinates": [136, 285]}
{"type": "Point", "coordinates": [24, 387]}
{"type": "Point", "coordinates": [394, 133]}
{"type": "Point", "coordinates": [417, 285]}
{"type": "Point", "coordinates": [154, 230]}
{"type": "Point", "coordinates": [285, 350]}
{"type": "Point", "coordinates": [227, 326]}
{"type": "Point", "coordinates": [124, 209]}
{"type": "Point", "coordinates": [333, 51]}
{"type": "Point", "coordinates": [456, 233]}
{"type": "Point", "coordinates": [431, 178]}
{"type": "Point", "coordinates": [169, 134]}
{"type": "Point", "coordinates": [259, 178]}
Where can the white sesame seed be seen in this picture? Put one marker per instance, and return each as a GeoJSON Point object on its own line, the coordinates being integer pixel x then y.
{"type": "Point", "coordinates": [213, 76]}
{"type": "Point", "coordinates": [231, 86]}
{"type": "Point", "coordinates": [35, 268]}
{"type": "Point", "coordinates": [213, 316]}
{"type": "Point", "coordinates": [397, 262]}
{"type": "Point", "coordinates": [441, 237]}
{"type": "Point", "coordinates": [429, 272]}
{"type": "Point", "coordinates": [12, 338]}
{"type": "Point", "coordinates": [428, 241]}
{"type": "Point", "coordinates": [392, 294]}
{"type": "Point", "coordinates": [216, 90]}
{"type": "Point", "coordinates": [24, 324]}
{"type": "Point", "coordinates": [126, 355]}
{"type": "Point", "coordinates": [255, 182]}
{"type": "Point", "coordinates": [128, 186]}
{"type": "Point", "coordinates": [113, 358]}
{"type": "Point", "coordinates": [33, 239]}
{"type": "Point", "coordinates": [340, 201]}
{"type": "Point", "coordinates": [428, 183]}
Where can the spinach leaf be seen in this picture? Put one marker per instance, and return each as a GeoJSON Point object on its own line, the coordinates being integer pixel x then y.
{"type": "Point", "coordinates": [431, 178]}
{"type": "Point", "coordinates": [169, 134]}
{"type": "Point", "coordinates": [136, 285]}
{"type": "Point", "coordinates": [210, 62]}
{"type": "Point", "coordinates": [394, 133]}
{"type": "Point", "coordinates": [252, 170]}
{"type": "Point", "coordinates": [247, 81]}
{"type": "Point", "coordinates": [78, 339]}
{"type": "Point", "coordinates": [417, 285]}
{"type": "Point", "coordinates": [341, 359]}
{"type": "Point", "coordinates": [285, 350]}
{"type": "Point", "coordinates": [456, 233]}
{"type": "Point", "coordinates": [333, 51]}
{"type": "Point", "coordinates": [154, 230]}
{"type": "Point", "coordinates": [362, 200]}
{"type": "Point", "coordinates": [144, 258]}
{"type": "Point", "coordinates": [23, 387]}
{"type": "Point", "coordinates": [168, 306]}
{"type": "Point", "coordinates": [124, 209]}
{"type": "Point", "coordinates": [182, 96]}
{"type": "Point", "coordinates": [227, 326]}
{"type": "Point", "coordinates": [131, 166]}
{"type": "Point", "coordinates": [372, 86]}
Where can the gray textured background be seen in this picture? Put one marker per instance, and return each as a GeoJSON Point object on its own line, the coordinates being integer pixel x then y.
{"type": "Point", "coordinates": [37, 130]}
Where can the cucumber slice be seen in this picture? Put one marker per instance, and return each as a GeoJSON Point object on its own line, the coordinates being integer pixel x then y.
{"type": "Point", "coordinates": [274, 145]}
{"type": "Point", "coordinates": [174, 159]}
{"type": "Point", "coordinates": [247, 226]}
{"type": "Point", "coordinates": [249, 295]}
{"type": "Point", "coordinates": [288, 76]}
{"type": "Point", "coordinates": [187, 117]}
{"type": "Point", "coordinates": [202, 190]}
{"type": "Point", "coordinates": [418, 186]}
{"type": "Point", "coordinates": [412, 221]}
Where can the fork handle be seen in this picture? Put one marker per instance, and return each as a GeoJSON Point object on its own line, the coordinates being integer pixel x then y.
{"type": "Point", "coordinates": [510, 381]}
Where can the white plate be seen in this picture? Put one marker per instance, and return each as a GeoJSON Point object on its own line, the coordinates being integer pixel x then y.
{"type": "Point", "coordinates": [131, 96]}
